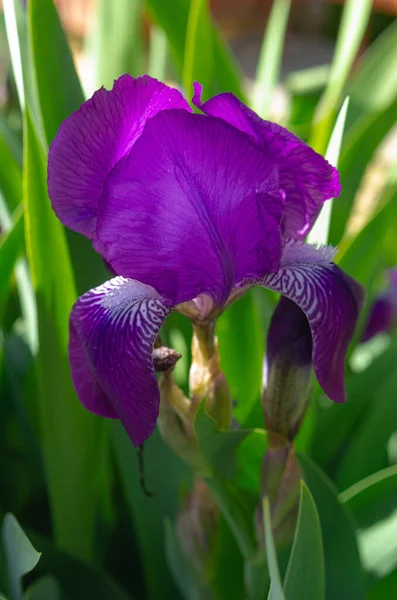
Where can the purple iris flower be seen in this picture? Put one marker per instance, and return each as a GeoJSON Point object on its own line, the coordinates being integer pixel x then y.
{"type": "Point", "coordinates": [383, 314]}
{"type": "Point", "coordinates": [188, 208]}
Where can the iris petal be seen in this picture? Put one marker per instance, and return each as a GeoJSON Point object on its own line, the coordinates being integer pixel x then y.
{"type": "Point", "coordinates": [91, 141]}
{"type": "Point", "coordinates": [193, 208]}
{"type": "Point", "coordinates": [306, 177]}
{"type": "Point", "coordinates": [112, 331]}
{"type": "Point", "coordinates": [331, 301]}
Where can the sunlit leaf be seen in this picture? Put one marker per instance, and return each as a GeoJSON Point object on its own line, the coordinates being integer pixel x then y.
{"type": "Point", "coordinates": [355, 17]}
{"type": "Point", "coordinates": [71, 435]}
{"type": "Point", "coordinates": [269, 62]}
{"type": "Point", "coordinates": [305, 576]}
{"type": "Point", "coordinates": [344, 576]}
{"type": "Point", "coordinates": [276, 589]}
{"type": "Point", "coordinates": [20, 556]}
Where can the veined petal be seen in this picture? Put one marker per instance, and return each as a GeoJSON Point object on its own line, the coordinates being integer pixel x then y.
{"type": "Point", "coordinates": [306, 177]}
{"type": "Point", "coordinates": [112, 331]}
{"type": "Point", "coordinates": [331, 301]}
{"type": "Point", "coordinates": [91, 141]}
{"type": "Point", "coordinates": [193, 209]}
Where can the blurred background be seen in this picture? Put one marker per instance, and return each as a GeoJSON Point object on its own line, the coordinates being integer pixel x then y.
{"type": "Point", "coordinates": [74, 481]}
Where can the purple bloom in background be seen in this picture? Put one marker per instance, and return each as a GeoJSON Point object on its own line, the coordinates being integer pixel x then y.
{"type": "Point", "coordinates": [188, 208]}
{"type": "Point", "coordinates": [382, 317]}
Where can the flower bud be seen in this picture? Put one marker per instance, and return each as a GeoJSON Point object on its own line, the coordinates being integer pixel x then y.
{"type": "Point", "coordinates": [197, 529]}
{"type": "Point", "coordinates": [288, 369]}
{"type": "Point", "coordinates": [175, 423]}
{"type": "Point", "coordinates": [280, 483]}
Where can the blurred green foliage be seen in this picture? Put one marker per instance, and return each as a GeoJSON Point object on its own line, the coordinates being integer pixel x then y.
{"type": "Point", "coordinates": [73, 480]}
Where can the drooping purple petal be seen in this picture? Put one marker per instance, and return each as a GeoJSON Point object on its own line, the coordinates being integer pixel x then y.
{"type": "Point", "coordinates": [289, 335]}
{"type": "Point", "coordinates": [194, 208]}
{"type": "Point", "coordinates": [331, 301]}
{"type": "Point", "coordinates": [306, 177]}
{"type": "Point", "coordinates": [112, 331]}
{"type": "Point", "coordinates": [91, 141]}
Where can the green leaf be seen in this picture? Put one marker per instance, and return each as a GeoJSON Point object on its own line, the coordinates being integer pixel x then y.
{"type": "Point", "coordinates": [305, 576]}
{"type": "Point", "coordinates": [12, 245]}
{"type": "Point", "coordinates": [241, 346]}
{"type": "Point", "coordinates": [58, 86]}
{"type": "Point", "coordinates": [341, 420]}
{"type": "Point", "coordinates": [173, 18]}
{"type": "Point", "coordinates": [45, 588]}
{"type": "Point", "coordinates": [237, 508]}
{"type": "Point", "coordinates": [158, 47]}
{"type": "Point", "coordinates": [188, 584]}
{"type": "Point", "coordinates": [10, 176]}
{"type": "Point", "coordinates": [384, 588]}
{"type": "Point", "coordinates": [360, 256]}
{"type": "Point", "coordinates": [358, 150]}
{"type": "Point", "coordinates": [116, 42]}
{"type": "Point", "coordinates": [79, 580]}
{"type": "Point", "coordinates": [163, 475]}
{"type": "Point", "coordinates": [60, 94]}
{"type": "Point", "coordinates": [20, 556]}
{"type": "Point", "coordinates": [366, 452]}
{"type": "Point", "coordinates": [344, 576]}
{"type": "Point", "coordinates": [15, 20]}
{"type": "Point", "coordinates": [319, 232]}
{"type": "Point", "coordinates": [198, 60]}
{"type": "Point", "coordinates": [373, 86]}
{"type": "Point", "coordinates": [70, 435]}
{"type": "Point", "coordinates": [373, 498]}
{"type": "Point", "coordinates": [276, 589]}
{"type": "Point", "coordinates": [269, 63]}
{"type": "Point", "coordinates": [354, 22]}
{"type": "Point", "coordinates": [218, 447]}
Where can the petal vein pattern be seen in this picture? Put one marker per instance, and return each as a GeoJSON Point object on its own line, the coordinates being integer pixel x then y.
{"type": "Point", "coordinates": [112, 332]}
{"type": "Point", "coordinates": [331, 301]}
{"type": "Point", "coordinates": [194, 208]}
{"type": "Point", "coordinates": [94, 138]}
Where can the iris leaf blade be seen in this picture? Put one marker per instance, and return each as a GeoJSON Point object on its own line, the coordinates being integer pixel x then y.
{"type": "Point", "coordinates": [198, 60]}
{"type": "Point", "coordinates": [320, 231]}
{"type": "Point", "coordinates": [269, 62]}
{"type": "Point", "coordinates": [58, 87]}
{"type": "Point", "coordinates": [165, 473]}
{"type": "Point", "coordinates": [241, 345]}
{"type": "Point", "coordinates": [20, 555]}
{"type": "Point", "coordinates": [344, 575]}
{"type": "Point", "coordinates": [173, 18]}
{"type": "Point", "coordinates": [276, 591]}
{"type": "Point", "coordinates": [305, 576]}
{"type": "Point", "coordinates": [116, 43]}
{"type": "Point", "coordinates": [71, 479]}
{"type": "Point", "coordinates": [355, 18]}
{"type": "Point", "coordinates": [12, 246]}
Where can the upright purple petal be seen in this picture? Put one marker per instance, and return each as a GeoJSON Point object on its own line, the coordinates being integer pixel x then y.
{"type": "Point", "coordinates": [331, 301]}
{"type": "Point", "coordinates": [381, 318]}
{"type": "Point", "coordinates": [383, 314]}
{"type": "Point", "coordinates": [306, 177]}
{"type": "Point", "coordinates": [194, 208]}
{"type": "Point", "coordinates": [112, 331]}
{"type": "Point", "coordinates": [91, 141]}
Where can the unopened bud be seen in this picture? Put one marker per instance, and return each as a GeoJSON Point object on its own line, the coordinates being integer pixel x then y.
{"type": "Point", "coordinates": [288, 369]}
{"type": "Point", "coordinates": [164, 359]}
{"type": "Point", "coordinates": [198, 530]}
{"type": "Point", "coordinates": [176, 423]}
{"type": "Point", "coordinates": [280, 482]}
